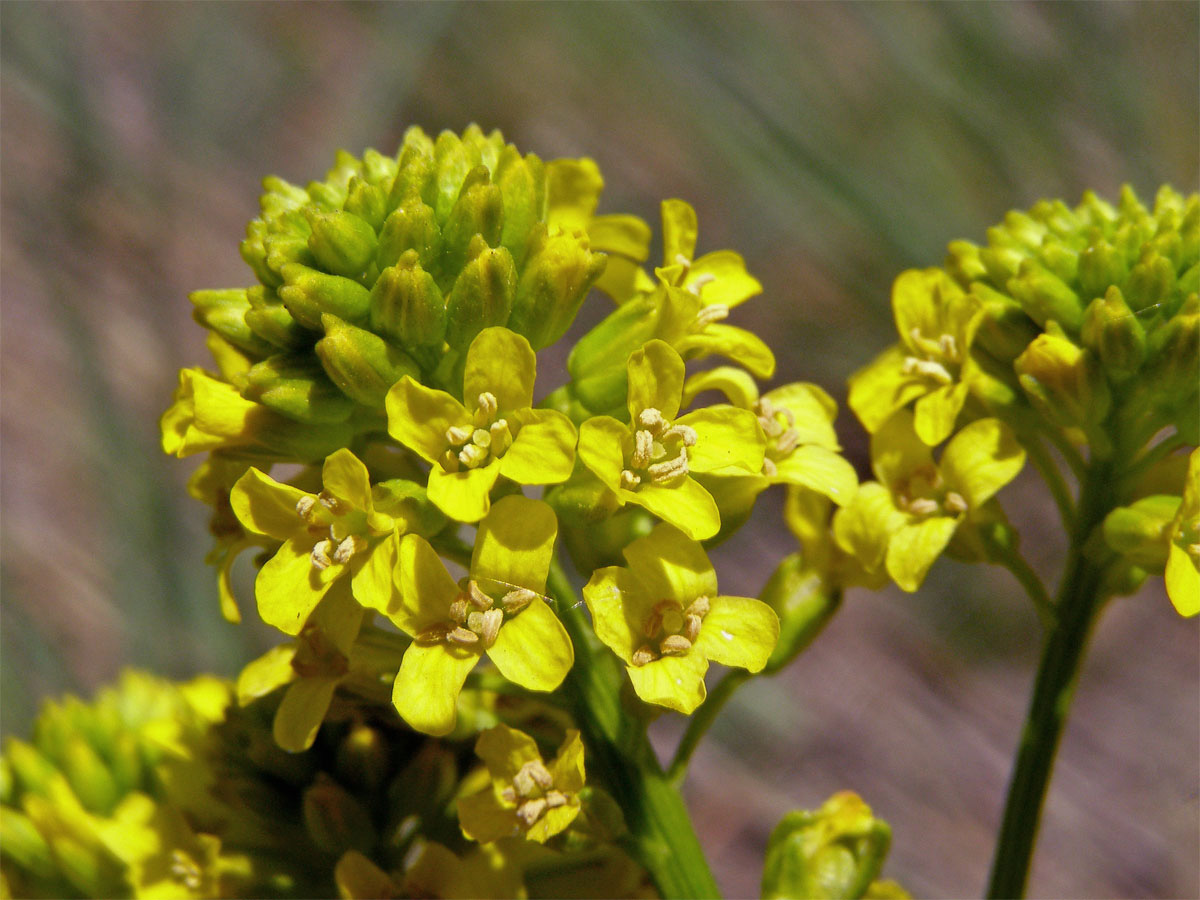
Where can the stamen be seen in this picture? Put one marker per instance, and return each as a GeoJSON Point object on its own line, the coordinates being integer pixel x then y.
{"type": "Point", "coordinates": [675, 645]}
{"type": "Point", "coordinates": [949, 346]}
{"type": "Point", "coordinates": [641, 656]}
{"type": "Point", "coordinates": [769, 468]}
{"type": "Point", "coordinates": [714, 312]}
{"type": "Point", "coordinates": [184, 870]}
{"type": "Point", "coordinates": [478, 597]}
{"type": "Point", "coordinates": [458, 435]}
{"type": "Point", "coordinates": [927, 368]}
{"type": "Point", "coordinates": [305, 505]}
{"type": "Point", "coordinates": [463, 636]}
{"type": "Point", "coordinates": [685, 433]}
{"type": "Point", "coordinates": [531, 810]}
{"type": "Point", "coordinates": [449, 461]}
{"type": "Point", "coordinates": [652, 420]}
{"type": "Point", "coordinates": [532, 775]}
{"type": "Point", "coordinates": [516, 600]}
{"type": "Point", "coordinates": [472, 455]}
{"type": "Point", "coordinates": [922, 506]}
{"type": "Point", "coordinates": [629, 480]}
{"type": "Point", "coordinates": [691, 628]}
{"type": "Point", "coordinates": [488, 405]}
{"type": "Point", "coordinates": [489, 626]}
{"type": "Point", "coordinates": [683, 260]}
{"type": "Point", "coordinates": [1193, 550]}
{"type": "Point", "coordinates": [787, 442]}
{"type": "Point", "coordinates": [555, 799]}
{"type": "Point", "coordinates": [320, 555]}
{"type": "Point", "coordinates": [459, 610]}
{"type": "Point", "coordinates": [954, 503]}
{"type": "Point", "coordinates": [347, 548]}
{"type": "Point", "coordinates": [643, 446]}
{"type": "Point", "coordinates": [699, 607]}
{"type": "Point", "coordinates": [501, 437]}
{"type": "Point", "coordinates": [700, 281]}
{"type": "Point", "coordinates": [662, 472]}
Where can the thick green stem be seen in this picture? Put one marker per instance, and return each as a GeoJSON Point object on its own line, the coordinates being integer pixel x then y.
{"type": "Point", "coordinates": [620, 755]}
{"type": "Point", "coordinates": [1079, 601]}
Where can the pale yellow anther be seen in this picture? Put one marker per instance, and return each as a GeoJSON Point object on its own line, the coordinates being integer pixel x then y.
{"type": "Point", "coordinates": [629, 480]}
{"type": "Point", "coordinates": [787, 442]}
{"type": "Point", "coordinates": [320, 554]}
{"type": "Point", "coordinates": [949, 347]}
{"type": "Point", "coordinates": [516, 600]}
{"type": "Point", "coordinates": [641, 656]}
{"type": "Point", "coordinates": [184, 870]}
{"type": "Point", "coordinates": [643, 447]}
{"type": "Point", "coordinates": [305, 505]}
{"type": "Point", "coordinates": [683, 260]}
{"type": "Point", "coordinates": [459, 610]}
{"type": "Point", "coordinates": [488, 405]}
{"type": "Point", "coordinates": [501, 436]}
{"type": "Point", "coordinates": [555, 799]}
{"type": "Point", "coordinates": [489, 625]}
{"type": "Point", "coordinates": [675, 645]}
{"type": "Point", "coordinates": [472, 455]}
{"type": "Point", "coordinates": [478, 597]}
{"type": "Point", "coordinates": [699, 607]}
{"type": "Point", "coordinates": [508, 795]}
{"type": "Point", "coordinates": [332, 503]}
{"type": "Point", "coordinates": [348, 547]}
{"type": "Point", "coordinates": [532, 777]}
{"type": "Point", "coordinates": [954, 503]}
{"type": "Point", "coordinates": [463, 636]}
{"type": "Point", "coordinates": [652, 420]}
{"type": "Point", "coordinates": [669, 470]}
{"type": "Point", "coordinates": [1193, 550]}
{"type": "Point", "coordinates": [927, 368]}
{"type": "Point", "coordinates": [922, 506]}
{"type": "Point", "coordinates": [691, 628]}
{"type": "Point", "coordinates": [531, 810]}
{"type": "Point", "coordinates": [700, 281]}
{"type": "Point", "coordinates": [457, 435]}
{"type": "Point", "coordinates": [714, 312]}
{"type": "Point", "coordinates": [684, 433]}
{"type": "Point", "coordinates": [769, 468]}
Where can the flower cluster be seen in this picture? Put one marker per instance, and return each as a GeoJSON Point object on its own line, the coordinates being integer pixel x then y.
{"type": "Point", "coordinates": [1072, 329]}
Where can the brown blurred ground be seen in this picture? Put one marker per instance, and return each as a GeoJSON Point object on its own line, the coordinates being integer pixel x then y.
{"type": "Point", "coordinates": [832, 144]}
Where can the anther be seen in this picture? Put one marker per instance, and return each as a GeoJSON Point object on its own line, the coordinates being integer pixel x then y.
{"type": "Point", "coordinates": [555, 799]}
{"type": "Point", "coordinates": [459, 610]}
{"type": "Point", "coordinates": [949, 346]}
{"type": "Point", "coordinates": [769, 468]}
{"type": "Point", "coordinates": [683, 260]}
{"type": "Point", "coordinates": [787, 442]}
{"type": "Point", "coordinates": [457, 435]}
{"type": "Point", "coordinates": [472, 455]}
{"type": "Point", "coordinates": [320, 555]}
{"type": "Point", "coordinates": [652, 420]}
{"type": "Point", "coordinates": [700, 281]}
{"type": "Point", "coordinates": [641, 656]}
{"type": "Point", "coordinates": [464, 636]}
{"type": "Point", "coordinates": [516, 600]}
{"type": "Point", "coordinates": [685, 433]}
{"type": "Point", "coordinates": [699, 607]}
{"type": "Point", "coordinates": [501, 437]}
{"type": "Point", "coordinates": [714, 312]}
{"type": "Point", "coordinates": [954, 503]}
{"type": "Point", "coordinates": [922, 506]}
{"type": "Point", "coordinates": [531, 810]}
{"type": "Point", "coordinates": [532, 775]}
{"type": "Point", "coordinates": [305, 505]}
{"type": "Point", "coordinates": [347, 548]}
{"type": "Point", "coordinates": [643, 446]}
{"type": "Point", "coordinates": [629, 480]}
{"type": "Point", "coordinates": [488, 405]}
{"type": "Point", "coordinates": [478, 598]}
{"type": "Point", "coordinates": [691, 627]}
{"type": "Point", "coordinates": [662, 472]}
{"type": "Point", "coordinates": [927, 368]}
{"type": "Point", "coordinates": [675, 645]}
{"type": "Point", "coordinates": [332, 503]}
{"type": "Point", "coordinates": [489, 625]}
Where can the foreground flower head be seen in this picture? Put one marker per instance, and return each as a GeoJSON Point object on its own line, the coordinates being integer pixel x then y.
{"type": "Point", "coordinates": [664, 618]}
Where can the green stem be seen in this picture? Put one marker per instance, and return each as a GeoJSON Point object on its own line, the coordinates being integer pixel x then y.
{"type": "Point", "coordinates": [619, 753]}
{"type": "Point", "coordinates": [1015, 563]}
{"type": "Point", "coordinates": [1079, 601]}
{"type": "Point", "coordinates": [1053, 477]}
{"type": "Point", "coordinates": [702, 719]}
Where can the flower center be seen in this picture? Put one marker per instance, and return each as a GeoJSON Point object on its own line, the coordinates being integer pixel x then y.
{"type": "Point", "coordinates": [778, 424]}
{"type": "Point", "coordinates": [938, 356]}
{"type": "Point", "coordinates": [671, 630]}
{"type": "Point", "coordinates": [325, 514]}
{"type": "Point", "coordinates": [474, 617]}
{"type": "Point", "coordinates": [924, 494]}
{"type": "Point", "coordinates": [659, 451]}
{"type": "Point", "coordinates": [532, 790]}
{"type": "Point", "coordinates": [474, 445]}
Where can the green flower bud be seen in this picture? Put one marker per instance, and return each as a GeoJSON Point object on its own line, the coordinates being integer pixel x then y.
{"type": "Point", "coordinates": [406, 305]}
{"type": "Point", "coordinates": [225, 313]}
{"type": "Point", "coordinates": [33, 772]}
{"type": "Point", "coordinates": [335, 820]}
{"type": "Point", "coordinates": [482, 295]}
{"type": "Point", "coordinates": [24, 845]}
{"type": "Point", "coordinates": [295, 386]}
{"type": "Point", "coordinates": [414, 177]}
{"type": "Point", "coordinates": [363, 365]}
{"type": "Point", "coordinates": [1064, 381]}
{"type": "Point", "coordinates": [1045, 296]}
{"type": "Point", "coordinates": [269, 319]}
{"type": "Point", "coordinates": [804, 601]}
{"type": "Point", "coordinates": [560, 271]}
{"type": "Point", "coordinates": [478, 211]}
{"type": "Point", "coordinates": [1004, 329]}
{"type": "Point", "coordinates": [308, 294]}
{"type": "Point", "coordinates": [964, 263]}
{"type": "Point", "coordinates": [1114, 334]}
{"type": "Point", "coordinates": [1141, 532]}
{"type": "Point", "coordinates": [522, 183]}
{"type": "Point", "coordinates": [835, 852]}
{"type": "Point", "coordinates": [367, 201]}
{"type": "Point", "coordinates": [362, 758]}
{"type": "Point", "coordinates": [341, 242]}
{"type": "Point", "coordinates": [1173, 358]}
{"type": "Point", "coordinates": [411, 226]}
{"type": "Point", "coordinates": [1100, 266]}
{"type": "Point", "coordinates": [1151, 281]}
{"type": "Point", "coordinates": [89, 777]}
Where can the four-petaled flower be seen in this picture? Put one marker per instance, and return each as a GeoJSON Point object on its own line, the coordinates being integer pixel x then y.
{"type": "Point", "coordinates": [469, 449]}
{"type": "Point", "coordinates": [340, 530]}
{"type": "Point", "coordinates": [649, 461]}
{"type": "Point", "coordinates": [937, 322]}
{"type": "Point", "coordinates": [527, 796]}
{"type": "Point", "coordinates": [663, 616]}
{"type": "Point", "coordinates": [498, 610]}
{"type": "Point", "coordinates": [906, 519]}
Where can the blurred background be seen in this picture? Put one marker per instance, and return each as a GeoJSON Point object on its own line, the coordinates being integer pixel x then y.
{"type": "Point", "coordinates": [833, 144]}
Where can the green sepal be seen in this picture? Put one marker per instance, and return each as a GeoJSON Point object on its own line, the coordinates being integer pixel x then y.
{"type": "Point", "coordinates": [482, 296]}
{"type": "Point", "coordinates": [606, 349]}
{"type": "Point", "coordinates": [1064, 381]}
{"type": "Point", "coordinates": [406, 305]}
{"type": "Point", "coordinates": [555, 279]}
{"type": "Point", "coordinates": [477, 214]}
{"type": "Point", "coordinates": [224, 311]}
{"type": "Point", "coordinates": [308, 294]}
{"type": "Point", "coordinates": [268, 318]}
{"type": "Point", "coordinates": [411, 226]}
{"type": "Point", "coordinates": [1151, 281]}
{"type": "Point", "coordinates": [296, 386]}
{"type": "Point", "coordinates": [1140, 531]}
{"type": "Point", "coordinates": [362, 364]}
{"type": "Point", "coordinates": [1044, 296]}
{"type": "Point", "coordinates": [522, 183]}
{"type": "Point", "coordinates": [1112, 331]}
{"type": "Point", "coordinates": [341, 242]}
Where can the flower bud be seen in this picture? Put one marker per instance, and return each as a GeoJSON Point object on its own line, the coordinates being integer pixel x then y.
{"type": "Point", "coordinates": [341, 242]}
{"type": "Point", "coordinates": [804, 600]}
{"type": "Point", "coordinates": [1140, 531]}
{"type": "Point", "coordinates": [406, 305]}
{"type": "Point", "coordinates": [1064, 381]}
{"type": "Point", "coordinates": [963, 262]}
{"type": "Point", "coordinates": [522, 183]}
{"type": "Point", "coordinates": [335, 820]}
{"type": "Point", "coordinates": [479, 210]}
{"type": "Point", "coordinates": [295, 386]}
{"type": "Point", "coordinates": [268, 318]}
{"type": "Point", "coordinates": [367, 201]}
{"type": "Point", "coordinates": [24, 845]}
{"type": "Point", "coordinates": [1173, 358]}
{"type": "Point", "coordinates": [1114, 334]}
{"type": "Point", "coordinates": [362, 758]}
{"type": "Point", "coordinates": [411, 226]}
{"type": "Point", "coordinates": [1045, 296]}
{"type": "Point", "coordinates": [308, 294]}
{"type": "Point", "coordinates": [482, 295]}
{"type": "Point", "coordinates": [363, 365]}
{"type": "Point", "coordinates": [1100, 266]}
{"type": "Point", "coordinates": [1150, 282]}
{"type": "Point", "coordinates": [560, 271]}
{"type": "Point", "coordinates": [1004, 328]}
{"type": "Point", "coordinates": [89, 777]}
{"type": "Point", "coordinates": [224, 312]}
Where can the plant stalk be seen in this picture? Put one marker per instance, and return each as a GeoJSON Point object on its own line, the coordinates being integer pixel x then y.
{"type": "Point", "coordinates": [1079, 601]}
{"type": "Point", "coordinates": [619, 753]}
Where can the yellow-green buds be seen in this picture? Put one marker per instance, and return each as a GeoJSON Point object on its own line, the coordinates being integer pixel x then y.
{"type": "Point", "coordinates": [341, 242]}
{"type": "Point", "coordinates": [362, 364]}
{"type": "Point", "coordinates": [558, 274]}
{"type": "Point", "coordinates": [482, 296]}
{"type": "Point", "coordinates": [224, 312]}
{"type": "Point", "coordinates": [1045, 296]}
{"type": "Point", "coordinates": [407, 306]}
{"type": "Point", "coordinates": [1064, 381]}
{"type": "Point", "coordinates": [295, 385]}
{"type": "Point", "coordinates": [308, 294]}
{"type": "Point", "coordinates": [1114, 334]}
